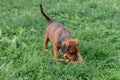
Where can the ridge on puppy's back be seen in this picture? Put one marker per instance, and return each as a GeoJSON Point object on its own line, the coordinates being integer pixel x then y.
{"type": "Point", "coordinates": [47, 18]}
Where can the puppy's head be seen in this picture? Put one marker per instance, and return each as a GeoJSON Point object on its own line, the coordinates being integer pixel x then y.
{"type": "Point", "coordinates": [70, 49]}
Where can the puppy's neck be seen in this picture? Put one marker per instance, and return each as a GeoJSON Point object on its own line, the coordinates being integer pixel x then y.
{"type": "Point", "coordinates": [66, 38]}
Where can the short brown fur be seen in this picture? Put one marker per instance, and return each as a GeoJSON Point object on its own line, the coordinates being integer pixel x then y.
{"type": "Point", "coordinates": [69, 46]}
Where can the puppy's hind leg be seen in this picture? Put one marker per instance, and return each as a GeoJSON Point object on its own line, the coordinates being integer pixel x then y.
{"type": "Point", "coordinates": [46, 40]}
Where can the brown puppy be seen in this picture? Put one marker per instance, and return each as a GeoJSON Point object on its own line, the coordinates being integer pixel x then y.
{"type": "Point", "coordinates": [61, 38]}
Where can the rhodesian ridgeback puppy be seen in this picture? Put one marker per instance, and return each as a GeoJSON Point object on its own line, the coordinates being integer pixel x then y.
{"type": "Point", "coordinates": [62, 39]}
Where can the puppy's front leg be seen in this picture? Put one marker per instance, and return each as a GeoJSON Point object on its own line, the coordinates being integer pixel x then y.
{"type": "Point", "coordinates": [56, 53]}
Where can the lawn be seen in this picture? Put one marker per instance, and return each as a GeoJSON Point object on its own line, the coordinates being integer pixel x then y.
{"type": "Point", "coordinates": [95, 23]}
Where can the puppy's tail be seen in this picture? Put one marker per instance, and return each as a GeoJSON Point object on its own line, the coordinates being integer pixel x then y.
{"type": "Point", "coordinates": [47, 18]}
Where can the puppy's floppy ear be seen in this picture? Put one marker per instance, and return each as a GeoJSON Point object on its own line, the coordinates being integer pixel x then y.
{"type": "Point", "coordinates": [64, 47]}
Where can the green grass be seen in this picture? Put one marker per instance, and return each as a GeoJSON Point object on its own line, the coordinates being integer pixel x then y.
{"type": "Point", "coordinates": [95, 23]}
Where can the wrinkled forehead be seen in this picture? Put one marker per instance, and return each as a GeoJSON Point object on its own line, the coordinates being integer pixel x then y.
{"type": "Point", "coordinates": [73, 49]}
